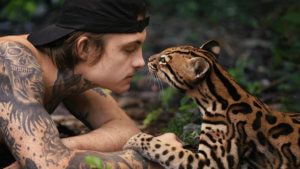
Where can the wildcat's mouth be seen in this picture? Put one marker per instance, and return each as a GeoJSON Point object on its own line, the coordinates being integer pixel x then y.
{"type": "Point", "coordinates": [153, 69]}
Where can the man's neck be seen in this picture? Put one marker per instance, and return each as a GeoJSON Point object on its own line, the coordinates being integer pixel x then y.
{"type": "Point", "coordinates": [67, 83]}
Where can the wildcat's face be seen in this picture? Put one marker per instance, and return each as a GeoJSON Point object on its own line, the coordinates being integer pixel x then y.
{"type": "Point", "coordinates": [181, 67]}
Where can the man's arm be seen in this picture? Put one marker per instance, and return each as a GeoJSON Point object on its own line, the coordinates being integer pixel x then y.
{"type": "Point", "coordinates": [39, 146]}
{"type": "Point", "coordinates": [27, 129]}
{"type": "Point", "coordinates": [29, 132]}
{"type": "Point", "coordinates": [110, 125]}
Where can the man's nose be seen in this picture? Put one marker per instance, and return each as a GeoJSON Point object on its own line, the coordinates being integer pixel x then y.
{"type": "Point", "coordinates": [139, 62]}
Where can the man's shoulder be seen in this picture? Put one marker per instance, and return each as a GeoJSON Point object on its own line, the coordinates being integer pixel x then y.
{"type": "Point", "coordinates": [18, 41]}
{"type": "Point", "coordinates": [20, 71]}
{"type": "Point", "coordinates": [18, 56]}
{"type": "Point", "coordinates": [18, 50]}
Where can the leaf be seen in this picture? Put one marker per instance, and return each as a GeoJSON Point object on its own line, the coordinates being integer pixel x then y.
{"type": "Point", "coordinates": [152, 116]}
{"type": "Point", "coordinates": [184, 100]}
{"type": "Point", "coordinates": [30, 8]}
{"type": "Point", "coordinates": [108, 91]}
{"type": "Point", "coordinates": [94, 161]}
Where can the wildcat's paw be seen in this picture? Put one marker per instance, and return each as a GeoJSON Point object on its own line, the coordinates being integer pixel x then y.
{"type": "Point", "coordinates": [137, 142]}
{"type": "Point", "coordinates": [156, 149]}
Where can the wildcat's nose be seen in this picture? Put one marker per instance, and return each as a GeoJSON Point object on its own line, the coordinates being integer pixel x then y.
{"type": "Point", "coordinates": [152, 58]}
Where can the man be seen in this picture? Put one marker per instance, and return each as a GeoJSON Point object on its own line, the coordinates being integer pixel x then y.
{"type": "Point", "coordinates": [94, 43]}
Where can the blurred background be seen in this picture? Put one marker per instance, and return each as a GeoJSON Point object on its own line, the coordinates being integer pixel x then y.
{"type": "Point", "coordinates": [260, 49]}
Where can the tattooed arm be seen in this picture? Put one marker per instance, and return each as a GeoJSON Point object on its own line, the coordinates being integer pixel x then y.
{"type": "Point", "coordinates": [29, 132]}
{"type": "Point", "coordinates": [25, 124]}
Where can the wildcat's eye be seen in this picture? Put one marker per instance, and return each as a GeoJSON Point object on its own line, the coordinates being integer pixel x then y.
{"type": "Point", "coordinates": [162, 60]}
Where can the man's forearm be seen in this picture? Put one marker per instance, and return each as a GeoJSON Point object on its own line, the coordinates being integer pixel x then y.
{"type": "Point", "coordinates": [102, 140]}
{"type": "Point", "coordinates": [127, 159]}
{"type": "Point", "coordinates": [110, 137]}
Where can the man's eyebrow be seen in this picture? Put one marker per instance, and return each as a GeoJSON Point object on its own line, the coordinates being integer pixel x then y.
{"type": "Point", "coordinates": [139, 42]}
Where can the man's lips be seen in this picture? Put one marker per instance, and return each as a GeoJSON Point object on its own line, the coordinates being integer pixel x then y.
{"type": "Point", "coordinates": [129, 76]}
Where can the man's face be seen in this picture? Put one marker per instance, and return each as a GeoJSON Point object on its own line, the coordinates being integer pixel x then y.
{"type": "Point", "coordinates": [121, 58]}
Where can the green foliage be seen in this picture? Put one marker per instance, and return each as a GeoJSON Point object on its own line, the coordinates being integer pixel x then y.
{"type": "Point", "coordinates": [187, 113]}
{"type": "Point", "coordinates": [238, 72]}
{"type": "Point", "coordinates": [19, 10]}
{"type": "Point", "coordinates": [152, 116]}
{"type": "Point", "coordinates": [186, 104]}
{"type": "Point", "coordinates": [291, 104]}
{"type": "Point", "coordinates": [181, 119]}
{"type": "Point", "coordinates": [290, 86]}
{"type": "Point", "coordinates": [286, 31]}
{"type": "Point", "coordinates": [211, 10]}
{"type": "Point", "coordinates": [192, 138]}
{"type": "Point", "coordinates": [137, 77]}
{"type": "Point", "coordinates": [193, 37]}
{"type": "Point", "coordinates": [95, 162]}
{"type": "Point", "coordinates": [286, 49]}
{"type": "Point", "coordinates": [24, 10]}
{"type": "Point", "coordinates": [166, 95]}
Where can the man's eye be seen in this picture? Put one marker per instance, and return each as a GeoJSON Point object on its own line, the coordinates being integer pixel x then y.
{"type": "Point", "coordinates": [129, 50]}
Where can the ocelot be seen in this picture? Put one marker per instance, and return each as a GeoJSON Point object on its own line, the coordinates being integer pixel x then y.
{"type": "Point", "coordinates": [238, 130]}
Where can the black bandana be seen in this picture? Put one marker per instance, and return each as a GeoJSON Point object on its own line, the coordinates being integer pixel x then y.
{"type": "Point", "coordinates": [96, 16]}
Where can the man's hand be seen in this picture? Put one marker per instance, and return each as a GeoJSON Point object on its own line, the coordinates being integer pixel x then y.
{"type": "Point", "coordinates": [170, 138]}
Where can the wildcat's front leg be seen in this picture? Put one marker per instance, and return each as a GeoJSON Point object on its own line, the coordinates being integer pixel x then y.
{"type": "Point", "coordinates": [165, 154]}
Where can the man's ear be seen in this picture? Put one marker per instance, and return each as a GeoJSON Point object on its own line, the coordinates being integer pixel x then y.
{"type": "Point", "coordinates": [82, 48]}
{"type": "Point", "coordinates": [213, 47]}
{"type": "Point", "coordinates": [200, 67]}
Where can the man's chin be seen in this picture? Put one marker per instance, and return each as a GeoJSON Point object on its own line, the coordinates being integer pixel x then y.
{"type": "Point", "coordinates": [121, 90]}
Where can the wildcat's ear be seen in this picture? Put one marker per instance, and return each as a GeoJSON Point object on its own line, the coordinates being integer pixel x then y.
{"type": "Point", "coordinates": [199, 67]}
{"type": "Point", "coordinates": [213, 47]}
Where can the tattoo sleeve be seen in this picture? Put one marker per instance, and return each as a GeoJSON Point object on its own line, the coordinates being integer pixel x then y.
{"type": "Point", "coordinates": [27, 128]}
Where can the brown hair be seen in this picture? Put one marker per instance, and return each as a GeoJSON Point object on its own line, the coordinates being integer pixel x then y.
{"type": "Point", "coordinates": [63, 52]}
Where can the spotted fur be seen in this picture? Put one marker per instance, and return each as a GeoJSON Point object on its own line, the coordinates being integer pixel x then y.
{"type": "Point", "coordinates": [238, 130]}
